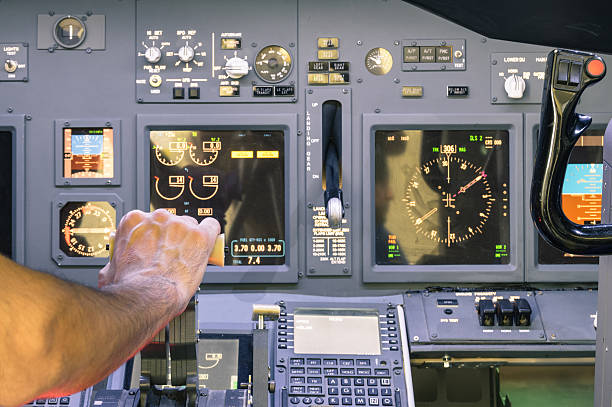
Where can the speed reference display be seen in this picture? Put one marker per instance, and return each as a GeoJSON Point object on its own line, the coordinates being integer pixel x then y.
{"type": "Point", "coordinates": [442, 197]}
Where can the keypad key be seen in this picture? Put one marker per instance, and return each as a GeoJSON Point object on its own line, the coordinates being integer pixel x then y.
{"type": "Point", "coordinates": [297, 370]}
{"type": "Point", "coordinates": [359, 391]}
{"type": "Point", "coordinates": [282, 333]}
{"type": "Point", "coordinates": [347, 370]}
{"type": "Point", "coordinates": [372, 391]}
{"type": "Point", "coordinates": [392, 328]}
{"type": "Point", "coordinates": [306, 400]}
{"type": "Point", "coordinates": [329, 371]}
{"type": "Point", "coordinates": [345, 381]}
{"type": "Point", "coordinates": [347, 401]}
{"type": "Point", "coordinates": [294, 400]}
{"type": "Point", "coordinates": [330, 362]}
{"type": "Point", "coordinates": [364, 371]}
{"type": "Point", "coordinates": [282, 339]}
{"type": "Point", "coordinates": [65, 400]}
{"type": "Point", "coordinates": [386, 391]}
{"type": "Point", "coordinates": [359, 381]}
{"type": "Point", "coordinates": [319, 400]}
{"type": "Point", "coordinates": [41, 401]}
{"type": "Point", "coordinates": [390, 315]}
{"type": "Point", "coordinates": [346, 391]}
{"type": "Point", "coordinates": [282, 346]}
{"type": "Point", "coordinates": [347, 362]}
{"type": "Point", "coordinates": [314, 370]}
{"type": "Point", "coordinates": [373, 401]}
{"type": "Point", "coordinates": [385, 381]}
{"type": "Point", "coordinates": [363, 362]}
{"type": "Point", "coordinates": [387, 401]}
{"type": "Point", "coordinates": [315, 390]}
{"type": "Point", "coordinates": [297, 380]}
{"type": "Point", "coordinates": [52, 400]}
{"type": "Point", "coordinates": [372, 382]}
{"type": "Point", "coordinates": [315, 380]}
{"type": "Point", "coordinates": [296, 361]}
{"type": "Point", "coordinates": [390, 322]}
{"type": "Point", "coordinates": [332, 381]}
{"type": "Point", "coordinates": [297, 389]}
{"type": "Point", "coordinates": [394, 348]}
{"type": "Point", "coordinates": [381, 372]}
{"type": "Point", "coordinates": [333, 401]}
{"type": "Point", "coordinates": [313, 361]}
{"type": "Point", "coordinates": [360, 401]}
{"type": "Point", "coordinates": [332, 391]}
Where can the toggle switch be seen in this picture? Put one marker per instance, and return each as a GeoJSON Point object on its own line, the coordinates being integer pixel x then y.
{"type": "Point", "coordinates": [505, 313]}
{"type": "Point", "coordinates": [486, 312]}
{"type": "Point", "coordinates": [522, 312]}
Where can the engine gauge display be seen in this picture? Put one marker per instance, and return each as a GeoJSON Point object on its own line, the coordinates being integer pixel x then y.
{"type": "Point", "coordinates": [379, 61]}
{"type": "Point", "coordinates": [88, 152]}
{"type": "Point", "coordinates": [581, 195]}
{"type": "Point", "coordinates": [85, 228]}
{"type": "Point", "coordinates": [442, 197]}
{"type": "Point", "coordinates": [273, 63]}
{"type": "Point", "coordinates": [235, 176]}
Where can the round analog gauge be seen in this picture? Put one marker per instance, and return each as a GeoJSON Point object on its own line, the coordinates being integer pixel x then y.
{"type": "Point", "coordinates": [205, 152]}
{"type": "Point", "coordinates": [273, 63]}
{"type": "Point", "coordinates": [379, 61]}
{"type": "Point", "coordinates": [169, 149]}
{"type": "Point", "coordinates": [460, 205]}
{"type": "Point", "coordinates": [86, 228]}
{"type": "Point", "coordinates": [69, 32]}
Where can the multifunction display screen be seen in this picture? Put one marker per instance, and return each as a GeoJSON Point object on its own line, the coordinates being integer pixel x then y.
{"type": "Point", "coordinates": [442, 197]}
{"type": "Point", "coordinates": [235, 176]}
{"type": "Point", "coordinates": [336, 331]}
{"type": "Point", "coordinates": [88, 152]}
{"type": "Point", "coordinates": [581, 195]}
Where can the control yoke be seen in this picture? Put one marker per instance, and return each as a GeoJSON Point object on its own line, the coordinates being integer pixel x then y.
{"type": "Point", "coordinates": [568, 73]}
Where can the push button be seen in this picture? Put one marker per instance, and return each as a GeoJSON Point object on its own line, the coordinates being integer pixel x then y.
{"type": "Point", "coordinates": [178, 93]}
{"type": "Point", "coordinates": [65, 400]}
{"type": "Point", "coordinates": [595, 68]}
{"type": "Point", "coordinates": [194, 93]}
{"type": "Point", "coordinates": [563, 71]}
{"type": "Point", "coordinates": [575, 73]}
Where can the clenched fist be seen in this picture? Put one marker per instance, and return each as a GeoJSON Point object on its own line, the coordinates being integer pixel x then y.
{"type": "Point", "coordinates": [163, 254]}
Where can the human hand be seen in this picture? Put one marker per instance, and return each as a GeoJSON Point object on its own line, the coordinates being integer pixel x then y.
{"type": "Point", "coordinates": [160, 252]}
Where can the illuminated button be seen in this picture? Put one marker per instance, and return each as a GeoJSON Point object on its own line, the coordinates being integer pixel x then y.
{"type": "Point", "coordinates": [318, 79]}
{"type": "Point", "coordinates": [428, 54]}
{"type": "Point", "coordinates": [595, 68]}
{"type": "Point", "coordinates": [328, 42]}
{"type": "Point", "coordinates": [65, 400]}
{"type": "Point", "coordinates": [336, 78]}
{"type": "Point", "coordinates": [411, 54]}
{"type": "Point", "coordinates": [284, 90]}
{"type": "Point", "coordinates": [231, 43]}
{"type": "Point", "coordinates": [259, 91]}
{"type": "Point", "coordinates": [155, 81]}
{"type": "Point", "coordinates": [328, 54]}
{"type": "Point", "coordinates": [318, 66]}
{"type": "Point", "coordinates": [563, 71]}
{"type": "Point", "coordinates": [229, 90]}
{"type": "Point", "coordinates": [412, 91]}
{"type": "Point", "coordinates": [178, 93]}
{"type": "Point", "coordinates": [338, 66]}
{"type": "Point", "coordinates": [194, 93]}
{"type": "Point", "coordinates": [443, 54]}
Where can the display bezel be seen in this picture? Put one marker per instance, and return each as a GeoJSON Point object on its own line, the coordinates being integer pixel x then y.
{"type": "Point", "coordinates": [511, 272]}
{"type": "Point", "coordinates": [60, 125]}
{"type": "Point", "coordinates": [287, 123]}
{"type": "Point", "coordinates": [534, 271]}
{"type": "Point", "coordinates": [15, 125]}
{"type": "Point", "coordinates": [60, 258]}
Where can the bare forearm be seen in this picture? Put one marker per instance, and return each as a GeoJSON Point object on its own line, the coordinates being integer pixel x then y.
{"type": "Point", "coordinates": [74, 335]}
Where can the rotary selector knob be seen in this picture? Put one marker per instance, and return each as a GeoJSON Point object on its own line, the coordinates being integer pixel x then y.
{"type": "Point", "coordinates": [186, 53]}
{"type": "Point", "coordinates": [515, 87]}
{"type": "Point", "coordinates": [236, 67]}
{"type": "Point", "coordinates": [153, 55]}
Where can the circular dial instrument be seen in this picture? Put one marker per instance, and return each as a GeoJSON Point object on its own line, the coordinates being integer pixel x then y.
{"type": "Point", "coordinates": [205, 152]}
{"type": "Point", "coordinates": [379, 61]}
{"type": "Point", "coordinates": [86, 228]}
{"type": "Point", "coordinates": [461, 203]}
{"type": "Point", "coordinates": [169, 150]}
{"type": "Point", "coordinates": [273, 63]}
{"type": "Point", "coordinates": [69, 32]}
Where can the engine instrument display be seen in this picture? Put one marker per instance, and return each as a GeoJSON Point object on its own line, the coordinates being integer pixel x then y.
{"type": "Point", "coordinates": [235, 176]}
{"type": "Point", "coordinates": [88, 152]}
{"type": "Point", "coordinates": [442, 197]}
{"type": "Point", "coordinates": [581, 195]}
{"type": "Point", "coordinates": [85, 228]}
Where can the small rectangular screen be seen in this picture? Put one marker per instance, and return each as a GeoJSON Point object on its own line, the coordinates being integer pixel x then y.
{"type": "Point", "coordinates": [336, 331]}
{"type": "Point", "coordinates": [235, 176]}
{"type": "Point", "coordinates": [88, 152]}
{"type": "Point", "coordinates": [218, 363]}
{"type": "Point", "coordinates": [581, 195]}
{"type": "Point", "coordinates": [442, 197]}
{"type": "Point", "coordinates": [6, 193]}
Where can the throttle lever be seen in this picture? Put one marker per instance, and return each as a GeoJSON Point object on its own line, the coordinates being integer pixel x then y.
{"type": "Point", "coordinates": [568, 74]}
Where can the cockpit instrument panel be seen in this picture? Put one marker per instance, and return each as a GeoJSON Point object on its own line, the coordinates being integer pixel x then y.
{"type": "Point", "coordinates": [442, 197]}
{"type": "Point", "coordinates": [215, 173]}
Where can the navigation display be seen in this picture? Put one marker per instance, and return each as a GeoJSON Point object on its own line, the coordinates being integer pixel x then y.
{"type": "Point", "coordinates": [235, 176]}
{"type": "Point", "coordinates": [581, 195]}
{"type": "Point", "coordinates": [88, 152]}
{"type": "Point", "coordinates": [442, 197]}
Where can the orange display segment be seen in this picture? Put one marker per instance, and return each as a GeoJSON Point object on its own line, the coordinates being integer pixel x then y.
{"type": "Point", "coordinates": [582, 208]}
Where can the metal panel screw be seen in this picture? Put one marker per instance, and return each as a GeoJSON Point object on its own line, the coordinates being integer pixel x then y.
{"type": "Point", "coordinates": [60, 204]}
{"type": "Point", "coordinates": [10, 110]}
{"type": "Point", "coordinates": [443, 67]}
{"type": "Point", "coordinates": [299, 132]}
{"type": "Point", "coordinates": [292, 44]}
{"type": "Point", "coordinates": [396, 42]}
{"type": "Point", "coordinates": [359, 42]}
{"type": "Point", "coordinates": [131, 392]}
{"type": "Point", "coordinates": [25, 79]}
{"type": "Point", "coordinates": [113, 204]}
{"type": "Point", "coordinates": [300, 274]}
{"type": "Point", "coordinates": [483, 40]}
{"type": "Point", "coordinates": [359, 80]}
{"type": "Point", "coordinates": [309, 205]}
{"type": "Point", "coordinates": [51, 13]}
{"type": "Point", "coordinates": [28, 117]}
{"type": "Point", "coordinates": [377, 110]}
{"type": "Point", "coordinates": [107, 124]}
{"type": "Point", "coordinates": [66, 182]}
{"type": "Point", "coordinates": [88, 50]}
{"type": "Point", "coordinates": [494, 62]}
{"type": "Point", "coordinates": [294, 100]}
{"type": "Point", "coordinates": [312, 270]}
{"type": "Point", "coordinates": [413, 67]}
{"type": "Point", "coordinates": [89, 13]}
{"type": "Point", "coordinates": [345, 270]}
{"type": "Point", "coordinates": [310, 91]}
{"type": "Point", "coordinates": [292, 83]}
{"type": "Point", "coordinates": [415, 338]}
{"type": "Point", "coordinates": [66, 123]}
{"type": "Point", "coordinates": [60, 257]}
{"type": "Point", "coordinates": [396, 80]}
{"type": "Point", "coordinates": [434, 335]}
{"type": "Point", "coordinates": [494, 99]}
{"type": "Point", "coordinates": [108, 182]}
{"type": "Point", "coordinates": [84, 18]}
{"type": "Point", "coordinates": [345, 91]}
{"type": "Point", "coordinates": [139, 100]}
{"type": "Point", "coordinates": [413, 43]}
{"type": "Point", "coordinates": [253, 44]}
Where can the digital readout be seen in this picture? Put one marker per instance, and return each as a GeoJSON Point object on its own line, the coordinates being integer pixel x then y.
{"type": "Point", "coordinates": [442, 197]}
{"type": "Point", "coordinates": [235, 176]}
{"type": "Point", "coordinates": [88, 152]}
